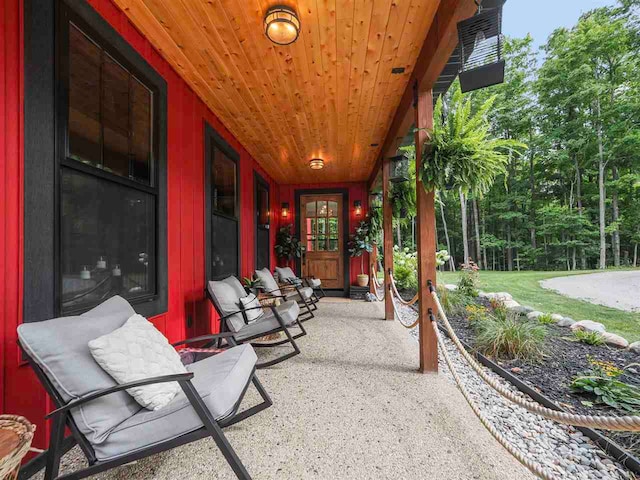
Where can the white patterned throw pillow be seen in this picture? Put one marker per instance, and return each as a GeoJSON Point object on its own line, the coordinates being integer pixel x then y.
{"type": "Point", "coordinates": [251, 302]}
{"type": "Point", "coordinates": [136, 351]}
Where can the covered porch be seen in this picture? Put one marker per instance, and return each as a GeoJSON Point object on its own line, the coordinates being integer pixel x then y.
{"type": "Point", "coordinates": [349, 406]}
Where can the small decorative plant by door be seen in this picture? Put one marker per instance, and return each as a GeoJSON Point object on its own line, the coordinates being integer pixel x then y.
{"type": "Point", "coordinates": [287, 247]}
{"type": "Point", "coordinates": [360, 243]}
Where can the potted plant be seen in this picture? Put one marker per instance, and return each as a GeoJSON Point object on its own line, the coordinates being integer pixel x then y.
{"type": "Point", "coordinates": [360, 243]}
{"type": "Point", "coordinates": [252, 284]}
{"type": "Point", "coordinates": [287, 246]}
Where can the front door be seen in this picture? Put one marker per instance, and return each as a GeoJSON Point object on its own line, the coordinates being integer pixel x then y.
{"type": "Point", "coordinates": [321, 232]}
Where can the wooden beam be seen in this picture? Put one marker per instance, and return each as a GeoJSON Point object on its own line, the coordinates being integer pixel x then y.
{"type": "Point", "coordinates": [434, 55]}
{"type": "Point", "coordinates": [387, 245]}
{"type": "Point", "coordinates": [426, 236]}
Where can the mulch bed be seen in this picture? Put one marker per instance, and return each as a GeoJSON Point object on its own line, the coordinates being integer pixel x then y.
{"type": "Point", "coordinates": [564, 359]}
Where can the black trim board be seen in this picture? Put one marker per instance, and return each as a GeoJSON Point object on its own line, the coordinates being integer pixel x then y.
{"type": "Point", "coordinates": [259, 180]}
{"type": "Point", "coordinates": [42, 153]}
{"type": "Point", "coordinates": [345, 232]}
{"type": "Point", "coordinates": [213, 139]}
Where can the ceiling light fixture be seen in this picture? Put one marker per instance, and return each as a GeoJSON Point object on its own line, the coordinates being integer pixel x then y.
{"type": "Point", "coordinates": [316, 164]}
{"type": "Point", "coordinates": [281, 25]}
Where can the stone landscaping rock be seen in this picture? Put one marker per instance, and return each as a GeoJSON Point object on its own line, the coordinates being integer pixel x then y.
{"type": "Point", "coordinates": [588, 326]}
{"type": "Point", "coordinates": [534, 315]}
{"type": "Point", "coordinates": [615, 340]}
{"type": "Point", "coordinates": [510, 304]}
{"type": "Point", "coordinates": [522, 310]}
{"type": "Point", "coordinates": [451, 287]}
{"type": "Point", "coordinates": [565, 322]}
{"type": "Point", "coordinates": [556, 317]}
{"type": "Point", "coordinates": [635, 347]}
{"type": "Point", "coordinates": [501, 296]}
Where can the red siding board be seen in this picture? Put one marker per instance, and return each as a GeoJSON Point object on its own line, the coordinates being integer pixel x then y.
{"type": "Point", "coordinates": [21, 392]}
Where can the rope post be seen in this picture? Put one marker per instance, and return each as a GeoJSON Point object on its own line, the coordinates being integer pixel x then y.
{"type": "Point", "coordinates": [387, 244]}
{"type": "Point", "coordinates": [425, 234]}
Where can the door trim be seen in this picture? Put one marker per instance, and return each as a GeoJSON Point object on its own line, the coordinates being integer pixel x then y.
{"type": "Point", "coordinates": [345, 233]}
{"type": "Point", "coordinates": [259, 180]}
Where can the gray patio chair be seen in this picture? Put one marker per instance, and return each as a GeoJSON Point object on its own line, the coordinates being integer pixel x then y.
{"type": "Point", "coordinates": [286, 275]}
{"type": "Point", "coordinates": [110, 427]}
{"type": "Point", "coordinates": [290, 291]}
{"type": "Point", "coordinates": [225, 296]}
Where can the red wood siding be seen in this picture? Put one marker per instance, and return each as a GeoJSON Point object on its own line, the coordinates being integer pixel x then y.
{"type": "Point", "coordinates": [21, 392]}
{"type": "Point", "coordinates": [356, 191]}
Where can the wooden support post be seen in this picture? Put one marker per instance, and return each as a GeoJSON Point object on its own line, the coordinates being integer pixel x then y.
{"type": "Point", "coordinates": [387, 245]}
{"type": "Point", "coordinates": [425, 236]}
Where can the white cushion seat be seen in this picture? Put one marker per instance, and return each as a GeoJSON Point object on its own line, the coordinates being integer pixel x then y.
{"type": "Point", "coordinates": [289, 312]}
{"type": "Point", "coordinates": [306, 293]}
{"type": "Point", "coordinates": [220, 380]}
{"type": "Point", "coordinates": [315, 282]}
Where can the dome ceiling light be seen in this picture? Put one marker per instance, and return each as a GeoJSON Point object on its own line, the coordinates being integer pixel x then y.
{"type": "Point", "coordinates": [281, 25]}
{"type": "Point", "coordinates": [316, 164]}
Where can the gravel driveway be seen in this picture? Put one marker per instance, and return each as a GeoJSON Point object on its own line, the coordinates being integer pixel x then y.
{"type": "Point", "coordinates": [619, 290]}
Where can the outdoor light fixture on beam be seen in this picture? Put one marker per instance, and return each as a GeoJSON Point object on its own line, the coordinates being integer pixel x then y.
{"type": "Point", "coordinates": [281, 25]}
{"type": "Point", "coordinates": [481, 50]}
{"type": "Point", "coordinates": [285, 210]}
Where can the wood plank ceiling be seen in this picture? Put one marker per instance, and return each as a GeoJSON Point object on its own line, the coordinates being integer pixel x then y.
{"type": "Point", "coordinates": [331, 94]}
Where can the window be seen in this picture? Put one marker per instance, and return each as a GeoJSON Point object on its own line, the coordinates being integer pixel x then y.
{"type": "Point", "coordinates": [108, 234]}
{"type": "Point", "coordinates": [223, 234]}
{"type": "Point", "coordinates": [262, 219]}
{"type": "Point", "coordinates": [322, 226]}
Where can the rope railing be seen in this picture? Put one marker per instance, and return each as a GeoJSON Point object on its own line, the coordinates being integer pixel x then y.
{"type": "Point", "coordinates": [626, 423]}
{"type": "Point", "coordinates": [400, 299]}
{"type": "Point", "coordinates": [533, 466]}
{"type": "Point", "coordinates": [376, 284]}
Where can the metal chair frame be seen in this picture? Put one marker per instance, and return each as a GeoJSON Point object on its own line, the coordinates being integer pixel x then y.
{"type": "Point", "coordinates": [61, 418]}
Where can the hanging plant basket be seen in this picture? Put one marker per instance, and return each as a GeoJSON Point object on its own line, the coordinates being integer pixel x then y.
{"type": "Point", "coordinates": [481, 44]}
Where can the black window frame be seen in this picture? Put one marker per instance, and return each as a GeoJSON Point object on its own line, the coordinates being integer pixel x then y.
{"type": "Point", "coordinates": [46, 110]}
{"type": "Point", "coordinates": [213, 140]}
{"type": "Point", "coordinates": [259, 181]}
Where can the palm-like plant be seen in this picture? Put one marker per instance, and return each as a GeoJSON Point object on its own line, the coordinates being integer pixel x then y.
{"type": "Point", "coordinates": [461, 153]}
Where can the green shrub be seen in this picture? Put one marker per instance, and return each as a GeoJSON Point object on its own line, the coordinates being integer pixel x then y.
{"type": "Point", "coordinates": [468, 282]}
{"type": "Point", "coordinates": [545, 319]}
{"type": "Point", "coordinates": [602, 382]}
{"type": "Point", "coordinates": [453, 302]}
{"type": "Point", "coordinates": [510, 338]}
{"type": "Point", "coordinates": [405, 268]}
{"type": "Point", "coordinates": [590, 338]}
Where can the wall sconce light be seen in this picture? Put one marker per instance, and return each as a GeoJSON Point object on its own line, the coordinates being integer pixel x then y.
{"type": "Point", "coordinates": [285, 209]}
{"type": "Point", "coordinates": [357, 208]}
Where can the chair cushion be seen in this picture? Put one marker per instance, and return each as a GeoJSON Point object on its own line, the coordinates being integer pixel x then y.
{"type": "Point", "coordinates": [251, 303]}
{"type": "Point", "coordinates": [136, 351]}
{"type": "Point", "coordinates": [227, 294]}
{"type": "Point", "coordinates": [285, 274]}
{"type": "Point", "coordinates": [315, 282]}
{"type": "Point", "coordinates": [289, 312]}
{"type": "Point", "coordinates": [268, 282]}
{"type": "Point", "coordinates": [306, 293]}
{"type": "Point", "coordinates": [220, 380]}
{"type": "Point", "coordinates": [60, 348]}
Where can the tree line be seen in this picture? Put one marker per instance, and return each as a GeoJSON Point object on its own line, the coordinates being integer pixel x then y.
{"type": "Point", "coordinates": [570, 199]}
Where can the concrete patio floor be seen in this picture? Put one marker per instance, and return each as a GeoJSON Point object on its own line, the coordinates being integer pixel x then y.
{"type": "Point", "coordinates": [351, 406]}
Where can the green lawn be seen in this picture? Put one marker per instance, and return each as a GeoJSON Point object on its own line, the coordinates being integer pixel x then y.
{"type": "Point", "coordinates": [524, 288]}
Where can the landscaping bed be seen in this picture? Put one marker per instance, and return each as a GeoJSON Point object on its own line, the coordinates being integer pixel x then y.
{"type": "Point", "coordinates": [563, 359]}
